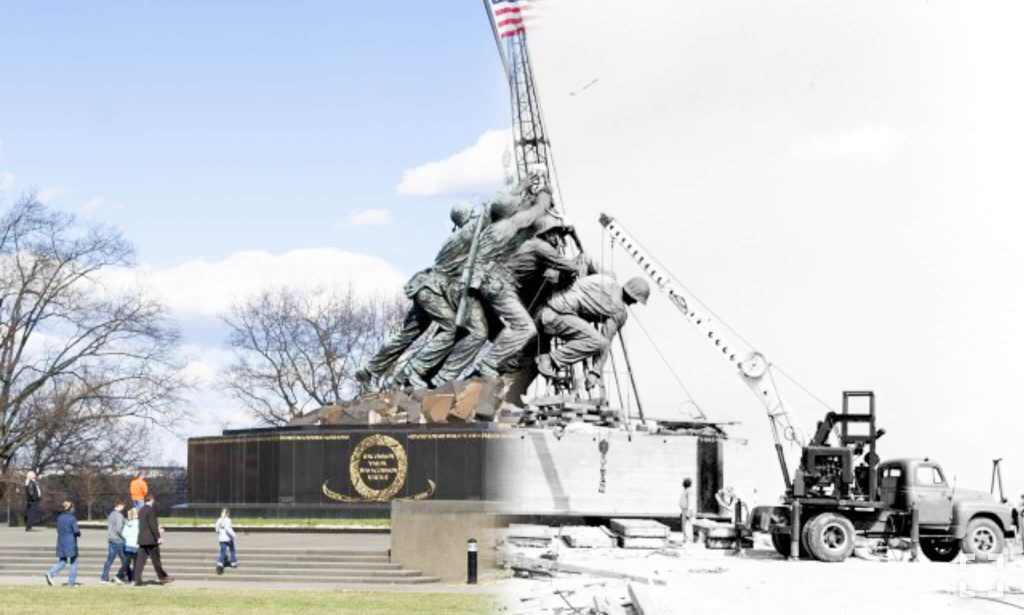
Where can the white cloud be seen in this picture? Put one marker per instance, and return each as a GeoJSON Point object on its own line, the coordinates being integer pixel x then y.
{"type": "Point", "coordinates": [876, 143]}
{"type": "Point", "coordinates": [476, 170]}
{"type": "Point", "coordinates": [210, 288]}
{"type": "Point", "coordinates": [6, 181]}
{"type": "Point", "coordinates": [50, 193]}
{"type": "Point", "coordinates": [367, 217]}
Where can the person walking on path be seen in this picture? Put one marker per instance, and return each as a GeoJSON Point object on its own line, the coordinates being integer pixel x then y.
{"type": "Point", "coordinates": [130, 534]}
{"type": "Point", "coordinates": [33, 498]}
{"type": "Point", "coordinates": [149, 542]}
{"type": "Point", "coordinates": [686, 510]}
{"type": "Point", "coordinates": [226, 537]}
{"type": "Point", "coordinates": [139, 489]}
{"type": "Point", "coordinates": [115, 543]}
{"type": "Point", "coordinates": [67, 545]}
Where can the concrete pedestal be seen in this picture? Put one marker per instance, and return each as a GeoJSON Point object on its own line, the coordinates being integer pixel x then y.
{"type": "Point", "coordinates": [431, 536]}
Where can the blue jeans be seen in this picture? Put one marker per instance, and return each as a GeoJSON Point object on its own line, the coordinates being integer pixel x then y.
{"type": "Point", "coordinates": [223, 559]}
{"type": "Point", "coordinates": [127, 572]}
{"type": "Point", "coordinates": [113, 549]}
{"type": "Point", "coordinates": [72, 572]}
{"type": "Point", "coordinates": [138, 504]}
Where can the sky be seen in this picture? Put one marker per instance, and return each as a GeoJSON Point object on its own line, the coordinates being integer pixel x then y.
{"type": "Point", "coordinates": [837, 181]}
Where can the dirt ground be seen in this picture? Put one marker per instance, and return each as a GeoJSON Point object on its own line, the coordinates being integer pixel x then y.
{"type": "Point", "coordinates": [698, 580]}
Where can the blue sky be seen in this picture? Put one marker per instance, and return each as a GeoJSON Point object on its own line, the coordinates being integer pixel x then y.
{"type": "Point", "coordinates": [207, 128]}
{"type": "Point", "coordinates": [241, 145]}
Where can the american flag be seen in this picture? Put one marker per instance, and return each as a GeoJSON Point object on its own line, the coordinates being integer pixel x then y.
{"type": "Point", "coordinates": [512, 16]}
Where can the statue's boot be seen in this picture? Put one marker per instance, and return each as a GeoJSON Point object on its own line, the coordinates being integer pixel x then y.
{"type": "Point", "coordinates": [365, 380]}
{"type": "Point", "coordinates": [547, 367]}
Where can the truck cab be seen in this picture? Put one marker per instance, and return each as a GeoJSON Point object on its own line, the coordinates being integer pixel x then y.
{"type": "Point", "coordinates": [950, 518]}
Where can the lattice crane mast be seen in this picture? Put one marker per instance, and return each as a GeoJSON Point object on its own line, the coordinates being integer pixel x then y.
{"type": "Point", "coordinates": [752, 366]}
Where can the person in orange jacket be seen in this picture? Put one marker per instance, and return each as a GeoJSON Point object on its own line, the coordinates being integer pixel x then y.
{"type": "Point", "coordinates": [139, 489]}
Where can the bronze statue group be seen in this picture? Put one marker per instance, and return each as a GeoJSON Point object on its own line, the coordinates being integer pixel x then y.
{"type": "Point", "coordinates": [503, 277]}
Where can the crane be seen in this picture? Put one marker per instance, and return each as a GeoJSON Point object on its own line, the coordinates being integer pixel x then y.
{"type": "Point", "coordinates": [752, 366]}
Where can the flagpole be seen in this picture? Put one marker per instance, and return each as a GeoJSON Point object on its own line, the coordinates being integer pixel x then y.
{"type": "Point", "coordinates": [497, 39]}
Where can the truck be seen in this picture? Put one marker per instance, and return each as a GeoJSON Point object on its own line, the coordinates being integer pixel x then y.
{"type": "Point", "coordinates": [840, 489]}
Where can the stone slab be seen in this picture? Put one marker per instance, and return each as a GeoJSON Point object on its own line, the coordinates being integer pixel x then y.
{"type": "Point", "coordinates": [588, 537]}
{"type": "Point", "coordinates": [639, 528]}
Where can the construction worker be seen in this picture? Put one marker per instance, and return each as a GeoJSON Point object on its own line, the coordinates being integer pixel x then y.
{"type": "Point", "coordinates": [726, 498]}
{"type": "Point", "coordinates": [686, 511]}
{"type": "Point", "coordinates": [570, 315]}
{"type": "Point", "coordinates": [430, 293]}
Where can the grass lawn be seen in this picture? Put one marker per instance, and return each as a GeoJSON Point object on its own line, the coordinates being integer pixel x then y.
{"type": "Point", "coordinates": [106, 600]}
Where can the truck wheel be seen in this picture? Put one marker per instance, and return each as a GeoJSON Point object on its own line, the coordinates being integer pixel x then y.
{"type": "Point", "coordinates": [781, 544]}
{"type": "Point", "coordinates": [830, 537]}
{"type": "Point", "coordinates": [940, 549]}
{"type": "Point", "coordinates": [984, 539]}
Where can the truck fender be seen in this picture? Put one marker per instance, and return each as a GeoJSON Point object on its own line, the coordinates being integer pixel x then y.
{"type": "Point", "coordinates": [763, 518]}
{"type": "Point", "coordinates": [963, 512]}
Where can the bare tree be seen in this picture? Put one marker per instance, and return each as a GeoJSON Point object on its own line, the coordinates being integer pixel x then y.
{"type": "Point", "coordinates": [299, 350]}
{"type": "Point", "coordinates": [78, 354]}
{"type": "Point", "coordinates": [74, 434]}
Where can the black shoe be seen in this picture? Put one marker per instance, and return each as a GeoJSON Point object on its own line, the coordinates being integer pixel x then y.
{"type": "Point", "coordinates": [220, 569]}
{"type": "Point", "coordinates": [167, 581]}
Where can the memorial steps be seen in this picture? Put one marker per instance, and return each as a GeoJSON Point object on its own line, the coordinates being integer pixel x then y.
{"type": "Point", "coordinates": [279, 566]}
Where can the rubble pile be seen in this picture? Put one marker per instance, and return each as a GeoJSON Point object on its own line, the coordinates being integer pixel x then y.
{"type": "Point", "coordinates": [559, 411]}
{"type": "Point", "coordinates": [583, 569]}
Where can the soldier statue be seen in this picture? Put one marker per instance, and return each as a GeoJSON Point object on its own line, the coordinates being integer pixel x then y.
{"type": "Point", "coordinates": [570, 316]}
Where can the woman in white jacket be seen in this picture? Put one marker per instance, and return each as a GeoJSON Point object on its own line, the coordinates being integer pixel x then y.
{"type": "Point", "coordinates": [130, 533]}
{"type": "Point", "coordinates": [226, 537]}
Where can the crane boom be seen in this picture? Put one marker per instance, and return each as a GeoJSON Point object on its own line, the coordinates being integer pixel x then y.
{"type": "Point", "coordinates": [750, 365]}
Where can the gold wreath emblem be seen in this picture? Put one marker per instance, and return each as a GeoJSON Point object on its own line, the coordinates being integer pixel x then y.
{"type": "Point", "coordinates": [387, 493]}
{"type": "Point", "coordinates": [401, 462]}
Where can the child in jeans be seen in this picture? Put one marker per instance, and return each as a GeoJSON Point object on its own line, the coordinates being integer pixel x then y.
{"type": "Point", "coordinates": [226, 537]}
{"type": "Point", "coordinates": [130, 533]}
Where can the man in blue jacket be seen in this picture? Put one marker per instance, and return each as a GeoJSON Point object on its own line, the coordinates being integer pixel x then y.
{"type": "Point", "coordinates": [67, 545]}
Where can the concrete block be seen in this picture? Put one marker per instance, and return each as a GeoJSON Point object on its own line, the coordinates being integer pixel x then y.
{"type": "Point", "coordinates": [639, 528]}
{"type": "Point", "coordinates": [436, 407]}
{"type": "Point", "coordinates": [587, 537]}
{"type": "Point", "coordinates": [630, 542]}
{"type": "Point", "coordinates": [467, 396]}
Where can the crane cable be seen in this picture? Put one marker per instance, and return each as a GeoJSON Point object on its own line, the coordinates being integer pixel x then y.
{"type": "Point", "coordinates": [657, 349]}
{"type": "Point", "coordinates": [668, 365]}
{"type": "Point", "coordinates": [665, 270]}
